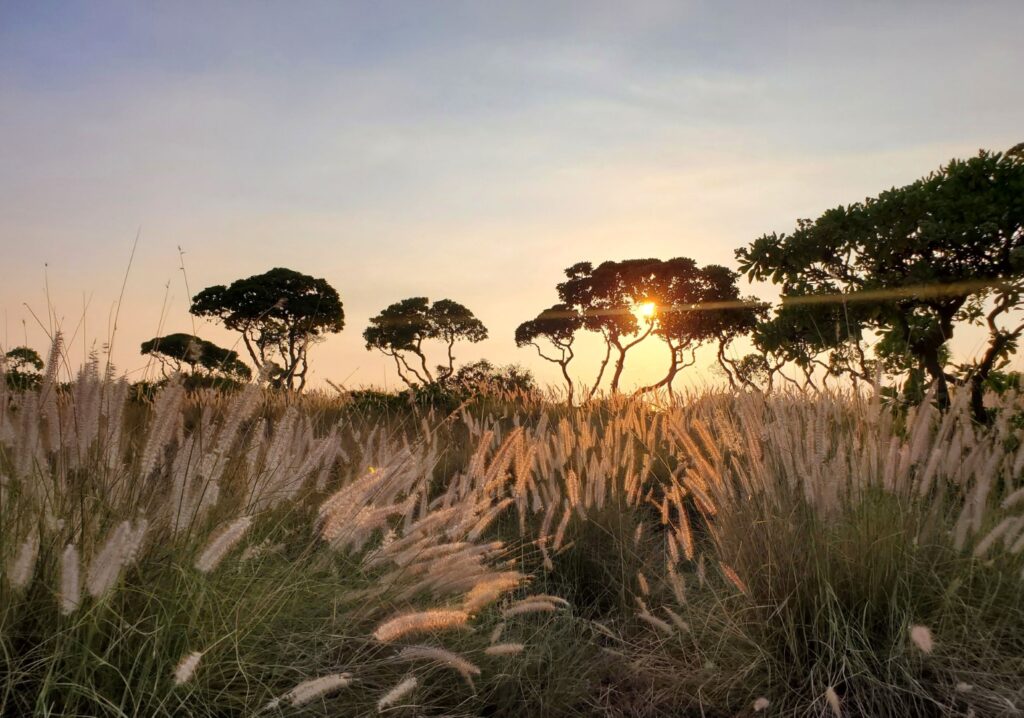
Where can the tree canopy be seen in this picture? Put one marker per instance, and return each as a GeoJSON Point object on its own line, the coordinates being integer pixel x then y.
{"type": "Point", "coordinates": [402, 328]}
{"type": "Point", "coordinates": [483, 376]}
{"type": "Point", "coordinates": [683, 304]}
{"type": "Point", "coordinates": [199, 355]}
{"type": "Point", "coordinates": [697, 306]}
{"type": "Point", "coordinates": [911, 265]}
{"type": "Point", "coordinates": [279, 314]}
{"type": "Point", "coordinates": [557, 325]}
{"type": "Point", "coordinates": [606, 297]}
{"type": "Point", "coordinates": [22, 368]}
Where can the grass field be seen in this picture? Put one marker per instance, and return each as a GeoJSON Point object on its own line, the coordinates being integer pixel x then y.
{"type": "Point", "coordinates": [721, 554]}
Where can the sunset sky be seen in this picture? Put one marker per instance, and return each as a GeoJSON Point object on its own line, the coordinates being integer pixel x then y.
{"type": "Point", "coordinates": [468, 150]}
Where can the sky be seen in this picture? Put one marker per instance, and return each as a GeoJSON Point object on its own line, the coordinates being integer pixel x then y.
{"type": "Point", "coordinates": [463, 150]}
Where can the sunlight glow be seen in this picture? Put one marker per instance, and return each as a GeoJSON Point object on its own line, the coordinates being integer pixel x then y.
{"type": "Point", "coordinates": [647, 309]}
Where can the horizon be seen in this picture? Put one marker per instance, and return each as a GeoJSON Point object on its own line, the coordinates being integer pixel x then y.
{"type": "Point", "coordinates": [462, 152]}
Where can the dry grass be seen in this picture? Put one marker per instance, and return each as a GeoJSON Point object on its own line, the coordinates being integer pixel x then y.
{"type": "Point", "coordinates": [793, 553]}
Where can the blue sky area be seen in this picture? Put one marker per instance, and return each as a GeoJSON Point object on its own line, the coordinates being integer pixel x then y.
{"type": "Point", "coordinates": [469, 150]}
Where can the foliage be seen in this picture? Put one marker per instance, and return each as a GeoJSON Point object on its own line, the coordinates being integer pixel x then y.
{"type": "Point", "coordinates": [200, 355]}
{"type": "Point", "coordinates": [687, 307]}
{"type": "Point", "coordinates": [606, 297]}
{"type": "Point", "coordinates": [558, 326]}
{"type": "Point", "coordinates": [279, 314]}
{"type": "Point", "coordinates": [695, 306]}
{"type": "Point", "coordinates": [22, 368]}
{"type": "Point", "coordinates": [484, 377]}
{"type": "Point", "coordinates": [910, 264]}
{"type": "Point", "coordinates": [404, 326]}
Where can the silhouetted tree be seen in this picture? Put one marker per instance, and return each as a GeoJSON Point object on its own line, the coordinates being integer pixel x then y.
{"type": "Point", "coordinates": [280, 314]}
{"type": "Point", "coordinates": [558, 326]}
{"type": "Point", "coordinates": [483, 376]}
{"type": "Point", "coordinates": [401, 329]}
{"type": "Point", "coordinates": [453, 322]}
{"type": "Point", "coordinates": [696, 306]}
{"type": "Point", "coordinates": [199, 355]}
{"type": "Point", "coordinates": [607, 297]}
{"type": "Point", "coordinates": [815, 335]}
{"type": "Point", "coordinates": [23, 368]}
{"type": "Point", "coordinates": [916, 261]}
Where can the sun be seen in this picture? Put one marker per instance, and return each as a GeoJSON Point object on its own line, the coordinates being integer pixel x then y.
{"type": "Point", "coordinates": [647, 309]}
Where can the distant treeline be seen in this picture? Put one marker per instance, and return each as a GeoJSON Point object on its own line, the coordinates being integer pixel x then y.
{"type": "Point", "coordinates": [870, 288]}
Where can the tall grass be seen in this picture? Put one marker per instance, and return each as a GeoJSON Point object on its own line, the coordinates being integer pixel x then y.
{"type": "Point", "coordinates": [252, 553]}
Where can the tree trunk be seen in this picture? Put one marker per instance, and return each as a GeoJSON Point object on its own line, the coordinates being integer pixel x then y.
{"type": "Point", "coordinates": [402, 376]}
{"type": "Point", "coordinates": [723, 362]}
{"type": "Point", "coordinates": [568, 379]}
{"type": "Point", "coordinates": [996, 348]}
{"type": "Point", "coordinates": [930, 359]}
{"type": "Point", "coordinates": [600, 372]}
{"type": "Point", "coordinates": [620, 362]}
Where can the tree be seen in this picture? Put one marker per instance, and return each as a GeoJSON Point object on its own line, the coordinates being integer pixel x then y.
{"type": "Point", "coordinates": [558, 326]}
{"type": "Point", "coordinates": [452, 322]}
{"type": "Point", "coordinates": [484, 377]}
{"type": "Point", "coordinates": [22, 368]}
{"type": "Point", "coordinates": [280, 314]}
{"type": "Point", "coordinates": [916, 262]}
{"type": "Point", "coordinates": [607, 297]}
{"type": "Point", "coordinates": [403, 327]}
{"type": "Point", "coordinates": [815, 335]}
{"type": "Point", "coordinates": [696, 306]}
{"type": "Point", "coordinates": [201, 356]}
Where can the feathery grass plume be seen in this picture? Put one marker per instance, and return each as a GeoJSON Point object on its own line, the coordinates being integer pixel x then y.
{"type": "Point", "coordinates": [761, 704]}
{"type": "Point", "coordinates": [397, 693]}
{"type": "Point", "coordinates": [1017, 496]}
{"type": "Point", "coordinates": [733, 577]}
{"type": "Point", "coordinates": [259, 550]}
{"type": "Point", "coordinates": [676, 583]}
{"type": "Point", "coordinates": [443, 656]}
{"type": "Point", "coordinates": [832, 698]}
{"type": "Point", "coordinates": [221, 546]}
{"type": "Point", "coordinates": [48, 393]}
{"type": "Point", "coordinates": [21, 569]}
{"type": "Point", "coordinates": [165, 419]}
{"type": "Point", "coordinates": [673, 550]}
{"type": "Point", "coordinates": [70, 580]}
{"type": "Point", "coordinates": [186, 667]}
{"type": "Point", "coordinates": [496, 633]}
{"type": "Point", "coordinates": [983, 546]}
{"type": "Point", "coordinates": [420, 622]}
{"type": "Point", "coordinates": [491, 589]}
{"type": "Point", "coordinates": [645, 587]}
{"type": "Point", "coordinates": [504, 649]}
{"type": "Point", "coordinates": [1017, 545]}
{"type": "Point", "coordinates": [962, 687]}
{"type": "Point", "coordinates": [655, 622]}
{"type": "Point", "coordinates": [562, 525]}
{"type": "Point", "coordinates": [677, 619]}
{"type": "Point", "coordinates": [488, 518]}
{"type": "Point", "coordinates": [544, 536]}
{"type": "Point", "coordinates": [683, 536]}
{"type": "Point", "coordinates": [572, 488]}
{"type": "Point", "coordinates": [523, 607]}
{"type": "Point", "coordinates": [556, 600]}
{"type": "Point", "coordinates": [118, 551]}
{"type": "Point", "coordinates": [310, 690]}
{"type": "Point", "coordinates": [922, 638]}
